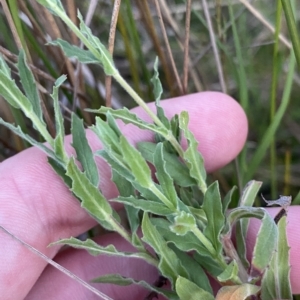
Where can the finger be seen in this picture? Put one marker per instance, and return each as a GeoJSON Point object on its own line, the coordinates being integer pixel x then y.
{"type": "Point", "coordinates": [36, 205]}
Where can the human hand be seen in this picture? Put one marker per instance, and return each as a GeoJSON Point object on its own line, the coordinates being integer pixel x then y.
{"type": "Point", "coordinates": [37, 207]}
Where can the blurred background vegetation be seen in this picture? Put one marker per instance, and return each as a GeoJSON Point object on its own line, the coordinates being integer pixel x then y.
{"type": "Point", "coordinates": [239, 47]}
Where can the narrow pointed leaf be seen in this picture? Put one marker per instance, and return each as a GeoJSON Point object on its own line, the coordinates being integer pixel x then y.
{"type": "Point", "coordinates": [129, 118]}
{"type": "Point", "coordinates": [176, 169]}
{"type": "Point", "coordinates": [60, 171]}
{"type": "Point", "coordinates": [103, 55]}
{"type": "Point", "coordinates": [195, 272]}
{"type": "Point", "coordinates": [265, 245]}
{"type": "Point", "coordinates": [212, 206]}
{"type": "Point", "coordinates": [107, 135]}
{"type": "Point", "coordinates": [276, 279]}
{"type": "Point", "coordinates": [91, 198]}
{"type": "Point", "coordinates": [83, 56]}
{"type": "Point", "coordinates": [188, 290]}
{"type": "Point", "coordinates": [59, 121]}
{"type": "Point", "coordinates": [145, 205]}
{"type": "Point", "coordinates": [4, 67]}
{"type": "Point", "coordinates": [18, 131]}
{"type": "Point", "coordinates": [163, 177]}
{"type": "Point", "coordinates": [157, 91]}
{"type": "Point", "coordinates": [29, 85]}
{"type": "Point", "coordinates": [83, 150]}
{"type": "Point", "coordinates": [192, 156]}
{"type": "Point", "coordinates": [124, 281]}
{"type": "Point", "coordinates": [96, 249]}
{"type": "Point", "coordinates": [136, 163]}
{"type": "Point", "coordinates": [126, 189]}
{"type": "Point", "coordinates": [169, 264]}
{"type": "Point", "coordinates": [117, 164]}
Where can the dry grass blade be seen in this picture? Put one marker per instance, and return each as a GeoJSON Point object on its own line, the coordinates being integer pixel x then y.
{"type": "Point", "coordinates": [262, 19]}
{"type": "Point", "coordinates": [11, 24]}
{"type": "Point", "coordinates": [214, 46]}
{"type": "Point", "coordinates": [111, 42]}
{"type": "Point", "coordinates": [57, 266]}
{"type": "Point", "coordinates": [163, 29]}
{"type": "Point", "coordinates": [186, 45]}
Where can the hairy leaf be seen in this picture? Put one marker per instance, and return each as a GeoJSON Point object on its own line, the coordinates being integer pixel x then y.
{"type": "Point", "coordinates": [212, 206]}
{"type": "Point", "coordinates": [177, 170]}
{"type": "Point", "coordinates": [83, 150]}
{"type": "Point", "coordinates": [84, 56]}
{"type": "Point", "coordinates": [275, 282]}
{"type": "Point", "coordinates": [124, 281]}
{"type": "Point", "coordinates": [192, 156]}
{"type": "Point", "coordinates": [136, 163]}
{"type": "Point", "coordinates": [188, 290]}
{"type": "Point", "coordinates": [130, 118]}
{"type": "Point", "coordinates": [145, 205]}
{"type": "Point", "coordinates": [163, 177]}
{"type": "Point", "coordinates": [29, 85]}
{"type": "Point", "coordinates": [59, 121]}
{"type": "Point", "coordinates": [183, 223]}
{"type": "Point", "coordinates": [169, 264]}
{"type": "Point", "coordinates": [91, 198]}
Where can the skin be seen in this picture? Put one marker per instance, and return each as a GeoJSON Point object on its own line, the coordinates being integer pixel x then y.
{"type": "Point", "coordinates": [38, 208]}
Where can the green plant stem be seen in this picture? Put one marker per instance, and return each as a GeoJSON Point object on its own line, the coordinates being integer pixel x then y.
{"type": "Point", "coordinates": [290, 20]}
{"type": "Point", "coordinates": [141, 103]}
{"type": "Point", "coordinates": [208, 245]}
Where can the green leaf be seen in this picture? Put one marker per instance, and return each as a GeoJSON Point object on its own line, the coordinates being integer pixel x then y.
{"type": "Point", "coordinates": [107, 135]}
{"type": "Point", "coordinates": [4, 67]}
{"type": "Point", "coordinates": [91, 198]}
{"type": "Point", "coordinates": [227, 199]}
{"type": "Point", "coordinates": [169, 264]}
{"type": "Point", "coordinates": [237, 292]}
{"type": "Point", "coordinates": [247, 199]}
{"type": "Point", "coordinates": [124, 281]}
{"type": "Point", "coordinates": [145, 205]}
{"type": "Point", "coordinates": [157, 91]}
{"type": "Point", "coordinates": [188, 290]}
{"type": "Point", "coordinates": [230, 274]}
{"type": "Point", "coordinates": [117, 164]}
{"type": "Point", "coordinates": [126, 189]}
{"type": "Point", "coordinates": [186, 243]}
{"type": "Point", "coordinates": [11, 93]}
{"type": "Point", "coordinates": [265, 245]}
{"type": "Point", "coordinates": [29, 85]}
{"type": "Point", "coordinates": [193, 158]}
{"type": "Point", "coordinates": [163, 177]}
{"type": "Point", "coordinates": [176, 169]}
{"type": "Point", "coordinates": [276, 279]}
{"type": "Point", "coordinates": [51, 4]}
{"type": "Point", "coordinates": [212, 205]}
{"type": "Point", "coordinates": [103, 55]}
{"type": "Point", "coordinates": [183, 223]}
{"type": "Point", "coordinates": [83, 56]}
{"type": "Point", "coordinates": [83, 150]}
{"type": "Point", "coordinates": [208, 263]}
{"type": "Point", "coordinates": [136, 163]}
{"type": "Point", "coordinates": [195, 272]}
{"type": "Point", "coordinates": [129, 118]}
{"type": "Point", "coordinates": [18, 131]}
{"type": "Point", "coordinates": [96, 249]}
{"type": "Point", "coordinates": [60, 171]}
{"type": "Point", "coordinates": [59, 121]}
